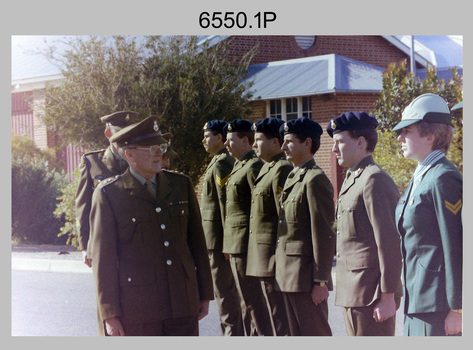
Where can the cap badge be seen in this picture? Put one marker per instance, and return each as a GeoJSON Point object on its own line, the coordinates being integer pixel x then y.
{"type": "Point", "coordinates": [229, 127]}
{"type": "Point", "coordinates": [286, 128]}
{"type": "Point", "coordinates": [155, 126]}
{"type": "Point", "coordinates": [205, 126]}
{"type": "Point", "coordinates": [127, 117]}
{"type": "Point", "coordinates": [333, 125]}
{"type": "Point", "coordinates": [253, 127]}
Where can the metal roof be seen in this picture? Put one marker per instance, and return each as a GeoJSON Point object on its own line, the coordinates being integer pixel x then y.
{"type": "Point", "coordinates": [313, 76]}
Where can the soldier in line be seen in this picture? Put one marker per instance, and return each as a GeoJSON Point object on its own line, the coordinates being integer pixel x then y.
{"type": "Point", "coordinates": [429, 220]}
{"type": "Point", "coordinates": [97, 166]}
{"type": "Point", "coordinates": [149, 255]}
{"type": "Point", "coordinates": [305, 240]}
{"type": "Point", "coordinates": [266, 192]}
{"type": "Point", "coordinates": [213, 218]}
{"type": "Point", "coordinates": [239, 143]}
{"type": "Point", "coordinates": [368, 272]}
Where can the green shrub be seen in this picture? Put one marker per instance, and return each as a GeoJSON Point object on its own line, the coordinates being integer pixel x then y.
{"type": "Point", "coordinates": [35, 188]}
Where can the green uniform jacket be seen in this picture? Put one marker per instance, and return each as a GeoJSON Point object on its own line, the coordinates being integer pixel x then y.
{"type": "Point", "coordinates": [368, 254]}
{"type": "Point", "coordinates": [214, 198]}
{"type": "Point", "coordinates": [430, 225]}
{"type": "Point", "coordinates": [237, 217]}
{"type": "Point", "coordinates": [94, 167]}
{"type": "Point", "coordinates": [266, 192]}
{"type": "Point", "coordinates": [306, 243]}
{"type": "Point", "coordinates": [150, 257]}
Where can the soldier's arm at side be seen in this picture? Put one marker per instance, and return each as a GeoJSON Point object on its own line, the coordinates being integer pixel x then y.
{"type": "Point", "coordinates": [104, 254]}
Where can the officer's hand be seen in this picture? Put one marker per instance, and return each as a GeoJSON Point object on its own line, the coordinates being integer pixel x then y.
{"type": "Point", "coordinates": [87, 261]}
{"type": "Point", "coordinates": [453, 323]}
{"type": "Point", "coordinates": [319, 294]}
{"type": "Point", "coordinates": [385, 308]}
{"type": "Point", "coordinates": [204, 308]}
{"type": "Point", "coordinates": [114, 327]}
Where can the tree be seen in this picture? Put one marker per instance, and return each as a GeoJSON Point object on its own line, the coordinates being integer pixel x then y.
{"type": "Point", "coordinates": [184, 83]}
{"type": "Point", "coordinates": [400, 87]}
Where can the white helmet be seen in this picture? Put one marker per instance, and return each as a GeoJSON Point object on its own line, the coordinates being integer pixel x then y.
{"type": "Point", "coordinates": [428, 108]}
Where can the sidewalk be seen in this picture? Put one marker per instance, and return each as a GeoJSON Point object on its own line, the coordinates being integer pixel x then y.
{"type": "Point", "coordinates": [47, 258]}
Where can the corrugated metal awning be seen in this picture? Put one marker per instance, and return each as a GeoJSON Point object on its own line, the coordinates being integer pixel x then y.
{"type": "Point", "coordinates": [313, 76]}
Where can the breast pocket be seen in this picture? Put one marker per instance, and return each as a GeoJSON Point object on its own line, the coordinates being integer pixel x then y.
{"type": "Point", "coordinates": [350, 213]}
{"type": "Point", "coordinates": [132, 226]}
{"type": "Point", "coordinates": [179, 212]}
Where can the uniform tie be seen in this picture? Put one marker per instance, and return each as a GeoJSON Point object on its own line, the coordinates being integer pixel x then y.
{"type": "Point", "coordinates": [150, 186]}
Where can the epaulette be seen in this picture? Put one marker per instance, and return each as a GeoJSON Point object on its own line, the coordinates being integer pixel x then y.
{"type": "Point", "coordinates": [94, 152]}
{"type": "Point", "coordinates": [175, 172]}
{"type": "Point", "coordinates": [108, 181]}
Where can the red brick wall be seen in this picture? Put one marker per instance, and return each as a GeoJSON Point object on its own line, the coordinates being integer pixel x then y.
{"type": "Point", "coordinates": [371, 49]}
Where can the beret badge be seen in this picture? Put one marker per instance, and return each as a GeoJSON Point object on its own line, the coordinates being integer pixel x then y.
{"type": "Point", "coordinates": [333, 125]}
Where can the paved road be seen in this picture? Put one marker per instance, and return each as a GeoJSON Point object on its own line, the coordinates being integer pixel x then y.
{"type": "Point", "coordinates": [53, 295]}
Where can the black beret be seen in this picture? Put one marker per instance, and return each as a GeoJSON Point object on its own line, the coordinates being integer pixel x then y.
{"type": "Point", "coordinates": [302, 127]}
{"type": "Point", "coordinates": [239, 125]}
{"type": "Point", "coordinates": [120, 119]}
{"type": "Point", "coordinates": [351, 121]}
{"type": "Point", "coordinates": [268, 125]}
{"type": "Point", "coordinates": [144, 133]}
{"type": "Point", "coordinates": [217, 126]}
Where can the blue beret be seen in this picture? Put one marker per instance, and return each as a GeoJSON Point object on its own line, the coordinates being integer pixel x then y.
{"type": "Point", "coordinates": [269, 126]}
{"type": "Point", "coordinates": [217, 126]}
{"type": "Point", "coordinates": [351, 121]}
{"type": "Point", "coordinates": [302, 127]}
{"type": "Point", "coordinates": [239, 125]}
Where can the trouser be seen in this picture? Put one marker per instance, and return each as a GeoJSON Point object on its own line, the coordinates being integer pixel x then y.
{"type": "Point", "coordinates": [253, 302]}
{"type": "Point", "coordinates": [275, 303]}
{"type": "Point", "coordinates": [426, 324]}
{"type": "Point", "coordinates": [226, 295]}
{"type": "Point", "coordinates": [184, 326]}
{"type": "Point", "coordinates": [359, 321]}
{"type": "Point", "coordinates": [305, 318]}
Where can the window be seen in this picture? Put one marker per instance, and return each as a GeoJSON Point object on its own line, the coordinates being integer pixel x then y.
{"type": "Point", "coordinates": [275, 110]}
{"type": "Point", "coordinates": [289, 108]}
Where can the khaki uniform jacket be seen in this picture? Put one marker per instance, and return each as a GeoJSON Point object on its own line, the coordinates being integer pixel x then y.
{"type": "Point", "coordinates": [94, 167]}
{"type": "Point", "coordinates": [368, 253]}
{"type": "Point", "coordinates": [306, 243]}
{"type": "Point", "coordinates": [266, 193]}
{"type": "Point", "coordinates": [150, 257]}
{"type": "Point", "coordinates": [214, 197]}
{"type": "Point", "coordinates": [237, 217]}
{"type": "Point", "coordinates": [431, 226]}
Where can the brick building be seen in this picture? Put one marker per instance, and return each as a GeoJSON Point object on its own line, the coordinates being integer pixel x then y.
{"type": "Point", "coordinates": [318, 77]}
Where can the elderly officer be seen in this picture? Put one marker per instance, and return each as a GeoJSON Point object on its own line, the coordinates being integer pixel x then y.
{"type": "Point", "coordinates": [305, 242]}
{"type": "Point", "coordinates": [239, 143]}
{"type": "Point", "coordinates": [266, 192]}
{"type": "Point", "coordinates": [213, 218]}
{"type": "Point", "coordinates": [97, 166]}
{"type": "Point", "coordinates": [149, 255]}
{"type": "Point", "coordinates": [429, 219]}
{"type": "Point", "coordinates": [368, 259]}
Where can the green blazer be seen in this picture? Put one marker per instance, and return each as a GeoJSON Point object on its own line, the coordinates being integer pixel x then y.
{"type": "Point", "coordinates": [305, 241]}
{"type": "Point", "coordinates": [430, 224]}
{"type": "Point", "coordinates": [94, 167]}
{"type": "Point", "coordinates": [237, 217]}
{"type": "Point", "coordinates": [266, 192]}
{"type": "Point", "coordinates": [214, 197]}
{"type": "Point", "coordinates": [368, 244]}
{"type": "Point", "coordinates": [150, 257]}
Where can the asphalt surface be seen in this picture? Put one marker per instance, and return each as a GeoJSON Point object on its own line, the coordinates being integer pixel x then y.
{"type": "Point", "coordinates": [56, 259]}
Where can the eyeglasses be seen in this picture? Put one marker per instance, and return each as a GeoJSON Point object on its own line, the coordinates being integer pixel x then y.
{"type": "Point", "coordinates": [154, 148]}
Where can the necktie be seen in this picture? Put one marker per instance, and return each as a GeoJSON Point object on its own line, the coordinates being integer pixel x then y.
{"type": "Point", "coordinates": [151, 188]}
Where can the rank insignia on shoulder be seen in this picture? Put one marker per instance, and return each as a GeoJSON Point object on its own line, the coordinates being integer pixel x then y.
{"type": "Point", "coordinates": [454, 208]}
